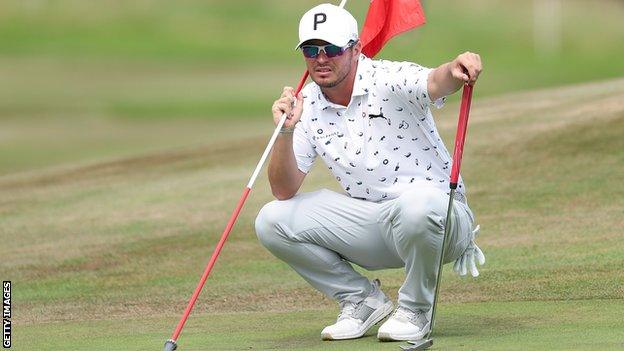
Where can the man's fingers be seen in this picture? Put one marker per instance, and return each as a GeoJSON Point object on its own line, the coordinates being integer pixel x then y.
{"type": "Point", "coordinates": [473, 73]}
{"type": "Point", "coordinates": [457, 265]}
{"type": "Point", "coordinates": [288, 93]}
{"type": "Point", "coordinates": [281, 107]}
{"type": "Point", "coordinates": [458, 73]}
{"type": "Point", "coordinates": [474, 271]}
{"type": "Point", "coordinates": [475, 70]}
{"type": "Point", "coordinates": [470, 70]}
{"type": "Point", "coordinates": [475, 67]}
{"type": "Point", "coordinates": [286, 100]}
{"type": "Point", "coordinates": [470, 66]}
{"type": "Point", "coordinates": [298, 105]}
{"type": "Point", "coordinates": [471, 264]}
{"type": "Point", "coordinates": [462, 266]}
{"type": "Point", "coordinates": [275, 108]}
{"type": "Point", "coordinates": [480, 256]}
{"type": "Point", "coordinates": [470, 261]}
{"type": "Point", "coordinates": [475, 231]}
{"type": "Point", "coordinates": [284, 104]}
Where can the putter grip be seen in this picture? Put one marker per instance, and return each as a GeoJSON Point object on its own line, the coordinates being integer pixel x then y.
{"type": "Point", "coordinates": [462, 125]}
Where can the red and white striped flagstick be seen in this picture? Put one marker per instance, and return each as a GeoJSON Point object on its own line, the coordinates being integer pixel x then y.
{"type": "Point", "coordinates": [171, 344]}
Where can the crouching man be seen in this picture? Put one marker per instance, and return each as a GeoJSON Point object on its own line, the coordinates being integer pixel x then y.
{"type": "Point", "coordinates": [371, 123]}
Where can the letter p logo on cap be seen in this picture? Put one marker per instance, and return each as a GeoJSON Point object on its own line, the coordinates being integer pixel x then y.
{"type": "Point", "coordinates": [319, 18]}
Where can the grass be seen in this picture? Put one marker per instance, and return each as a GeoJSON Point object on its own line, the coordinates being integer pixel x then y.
{"type": "Point", "coordinates": [505, 326]}
{"type": "Point", "coordinates": [112, 249]}
{"type": "Point", "coordinates": [208, 59]}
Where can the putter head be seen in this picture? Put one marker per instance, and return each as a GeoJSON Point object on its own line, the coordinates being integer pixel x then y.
{"type": "Point", "coordinates": [170, 345]}
{"type": "Point", "coordinates": [418, 345]}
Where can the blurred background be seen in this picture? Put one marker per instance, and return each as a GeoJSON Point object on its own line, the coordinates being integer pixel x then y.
{"type": "Point", "coordinates": [84, 80]}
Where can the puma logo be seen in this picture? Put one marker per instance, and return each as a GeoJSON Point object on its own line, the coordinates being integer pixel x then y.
{"type": "Point", "coordinates": [380, 115]}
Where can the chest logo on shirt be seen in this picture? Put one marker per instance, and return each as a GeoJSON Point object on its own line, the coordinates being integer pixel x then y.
{"type": "Point", "coordinates": [380, 115]}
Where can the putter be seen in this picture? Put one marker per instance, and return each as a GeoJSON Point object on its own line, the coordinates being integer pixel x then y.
{"type": "Point", "coordinates": [460, 137]}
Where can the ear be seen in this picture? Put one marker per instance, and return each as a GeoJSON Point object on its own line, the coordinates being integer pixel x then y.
{"type": "Point", "coordinates": [357, 49]}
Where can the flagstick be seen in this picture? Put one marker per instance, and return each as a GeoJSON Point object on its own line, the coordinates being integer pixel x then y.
{"type": "Point", "coordinates": [171, 344]}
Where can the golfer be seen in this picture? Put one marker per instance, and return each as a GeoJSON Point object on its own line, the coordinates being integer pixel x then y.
{"type": "Point", "coordinates": [370, 122]}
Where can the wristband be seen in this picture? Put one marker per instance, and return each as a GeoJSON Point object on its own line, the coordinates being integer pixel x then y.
{"type": "Point", "coordinates": [287, 130]}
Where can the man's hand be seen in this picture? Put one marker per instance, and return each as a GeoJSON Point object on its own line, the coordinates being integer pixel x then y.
{"type": "Point", "coordinates": [285, 105]}
{"type": "Point", "coordinates": [449, 77]}
{"type": "Point", "coordinates": [284, 175]}
{"type": "Point", "coordinates": [467, 67]}
{"type": "Point", "coordinates": [468, 260]}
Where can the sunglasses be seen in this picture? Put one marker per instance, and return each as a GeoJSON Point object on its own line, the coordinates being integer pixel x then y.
{"type": "Point", "coordinates": [330, 50]}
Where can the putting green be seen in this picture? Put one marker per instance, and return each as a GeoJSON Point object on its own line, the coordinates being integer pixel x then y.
{"type": "Point", "coordinates": [534, 325]}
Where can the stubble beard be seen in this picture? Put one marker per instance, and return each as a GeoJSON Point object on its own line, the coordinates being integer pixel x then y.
{"type": "Point", "coordinates": [343, 75]}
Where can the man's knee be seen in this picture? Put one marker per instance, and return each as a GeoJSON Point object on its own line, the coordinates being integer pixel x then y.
{"type": "Point", "coordinates": [270, 223]}
{"type": "Point", "coordinates": [422, 211]}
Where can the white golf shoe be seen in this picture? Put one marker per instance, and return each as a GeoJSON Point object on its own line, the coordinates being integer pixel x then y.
{"type": "Point", "coordinates": [404, 325]}
{"type": "Point", "coordinates": [355, 319]}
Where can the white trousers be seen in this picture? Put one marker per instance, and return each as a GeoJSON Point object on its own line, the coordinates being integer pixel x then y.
{"type": "Point", "coordinates": [319, 234]}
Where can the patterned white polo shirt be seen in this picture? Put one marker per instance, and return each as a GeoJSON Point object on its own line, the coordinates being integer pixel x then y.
{"type": "Point", "coordinates": [385, 141]}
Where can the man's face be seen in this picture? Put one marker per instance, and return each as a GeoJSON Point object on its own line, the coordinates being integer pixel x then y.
{"type": "Point", "coordinates": [329, 72]}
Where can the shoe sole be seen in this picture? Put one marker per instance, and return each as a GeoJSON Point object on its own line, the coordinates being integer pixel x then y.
{"type": "Point", "coordinates": [403, 337]}
{"type": "Point", "coordinates": [373, 320]}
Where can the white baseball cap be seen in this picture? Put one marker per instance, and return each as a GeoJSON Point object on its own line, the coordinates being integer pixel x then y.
{"type": "Point", "coordinates": [330, 23]}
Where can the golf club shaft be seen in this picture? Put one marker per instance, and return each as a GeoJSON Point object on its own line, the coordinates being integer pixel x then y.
{"type": "Point", "coordinates": [231, 222]}
{"type": "Point", "coordinates": [460, 137]}
{"type": "Point", "coordinates": [447, 229]}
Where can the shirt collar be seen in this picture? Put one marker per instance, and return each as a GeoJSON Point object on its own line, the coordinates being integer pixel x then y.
{"type": "Point", "coordinates": [361, 85]}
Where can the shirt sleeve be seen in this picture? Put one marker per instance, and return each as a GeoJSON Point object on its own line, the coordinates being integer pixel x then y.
{"type": "Point", "coordinates": [411, 81]}
{"type": "Point", "coordinates": [305, 154]}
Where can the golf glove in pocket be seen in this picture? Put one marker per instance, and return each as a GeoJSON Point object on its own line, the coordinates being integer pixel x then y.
{"type": "Point", "coordinates": [468, 260]}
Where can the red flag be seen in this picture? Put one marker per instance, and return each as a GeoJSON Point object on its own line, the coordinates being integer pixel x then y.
{"type": "Point", "coordinates": [387, 18]}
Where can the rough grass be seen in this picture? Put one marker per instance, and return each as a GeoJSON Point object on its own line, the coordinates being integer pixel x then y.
{"type": "Point", "coordinates": [137, 75]}
{"type": "Point", "coordinates": [113, 249]}
{"type": "Point", "coordinates": [138, 46]}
